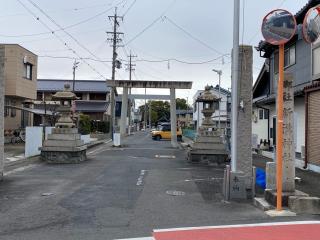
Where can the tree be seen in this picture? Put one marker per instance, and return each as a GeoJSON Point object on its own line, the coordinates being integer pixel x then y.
{"type": "Point", "coordinates": [160, 110]}
{"type": "Point", "coordinates": [182, 104]}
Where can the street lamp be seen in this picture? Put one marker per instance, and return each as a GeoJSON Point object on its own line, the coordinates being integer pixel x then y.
{"type": "Point", "coordinates": [219, 72]}
{"type": "Point", "coordinates": [75, 65]}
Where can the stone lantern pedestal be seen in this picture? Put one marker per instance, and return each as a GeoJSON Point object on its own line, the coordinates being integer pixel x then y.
{"type": "Point", "coordinates": [208, 146]}
{"type": "Point", "coordinates": [64, 144]}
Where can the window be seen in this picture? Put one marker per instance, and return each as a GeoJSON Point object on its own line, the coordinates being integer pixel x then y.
{"type": "Point", "coordinates": [28, 71]}
{"type": "Point", "coordinates": [289, 58]}
{"type": "Point", "coordinates": [266, 114]}
{"type": "Point", "coordinates": [6, 109]}
{"type": "Point", "coordinates": [260, 113]}
{"type": "Point", "coordinates": [13, 110]}
{"type": "Point", "coordinates": [316, 61]}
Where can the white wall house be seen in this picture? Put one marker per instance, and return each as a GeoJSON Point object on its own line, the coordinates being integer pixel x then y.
{"type": "Point", "coordinates": [222, 111]}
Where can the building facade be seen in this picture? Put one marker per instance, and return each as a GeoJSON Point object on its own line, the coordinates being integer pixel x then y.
{"type": "Point", "coordinates": [185, 118]}
{"type": "Point", "coordinates": [93, 96]}
{"type": "Point", "coordinates": [20, 72]}
{"type": "Point", "coordinates": [302, 61]}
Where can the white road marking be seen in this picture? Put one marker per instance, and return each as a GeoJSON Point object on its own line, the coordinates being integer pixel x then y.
{"type": "Point", "coordinates": [143, 238]}
{"type": "Point", "coordinates": [20, 169]}
{"type": "Point", "coordinates": [141, 176]}
{"type": "Point", "coordinates": [15, 158]}
{"type": "Point", "coordinates": [238, 226]}
{"type": "Point", "coordinates": [165, 156]}
{"type": "Point", "coordinates": [202, 179]}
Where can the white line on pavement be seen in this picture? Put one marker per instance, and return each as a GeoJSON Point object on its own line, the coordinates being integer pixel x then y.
{"type": "Point", "coordinates": [238, 226]}
{"type": "Point", "coordinates": [20, 169]}
{"type": "Point", "coordinates": [141, 176]}
{"type": "Point", "coordinates": [15, 158]}
{"type": "Point", "coordinates": [143, 238]}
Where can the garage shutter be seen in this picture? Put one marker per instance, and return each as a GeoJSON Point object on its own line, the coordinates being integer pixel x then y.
{"type": "Point", "coordinates": [314, 128]}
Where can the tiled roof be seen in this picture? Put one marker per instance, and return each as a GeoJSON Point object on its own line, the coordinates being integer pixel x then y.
{"type": "Point", "coordinates": [91, 106]}
{"type": "Point", "coordinates": [53, 85]}
{"type": "Point", "coordinates": [184, 111]}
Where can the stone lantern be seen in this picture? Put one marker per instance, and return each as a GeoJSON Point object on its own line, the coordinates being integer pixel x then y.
{"type": "Point", "coordinates": [64, 144]}
{"type": "Point", "coordinates": [65, 98]}
{"type": "Point", "coordinates": [208, 146]}
{"type": "Point", "coordinates": [210, 103]}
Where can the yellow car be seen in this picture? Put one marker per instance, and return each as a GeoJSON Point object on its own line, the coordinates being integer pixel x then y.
{"type": "Point", "coordinates": [164, 132]}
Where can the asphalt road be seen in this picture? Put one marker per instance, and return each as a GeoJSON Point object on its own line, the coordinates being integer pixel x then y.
{"type": "Point", "coordinates": [118, 193]}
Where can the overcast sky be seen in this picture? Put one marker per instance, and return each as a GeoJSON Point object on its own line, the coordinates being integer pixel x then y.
{"type": "Point", "coordinates": [191, 31]}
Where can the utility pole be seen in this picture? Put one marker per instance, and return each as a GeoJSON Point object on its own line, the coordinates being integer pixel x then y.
{"type": "Point", "coordinates": [115, 39]}
{"type": "Point", "coordinates": [130, 69]}
{"type": "Point", "coordinates": [145, 109]}
{"type": "Point", "coordinates": [219, 72]}
{"type": "Point", "coordinates": [234, 86]}
{"type": "Point", "coordinates": [75, 66]}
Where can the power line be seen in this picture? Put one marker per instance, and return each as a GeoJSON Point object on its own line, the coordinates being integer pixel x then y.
{"type": "Point", "coordinates": [59, 38]}
{"type": "Point", "coordinates": [258, 31]}
{"type": "Point", "coordinates": [151, 24]}
{"type": "Point", "coordinates": [71, 36]}
{"type": "Point", "coordinates": [132, 4]}
{"type": "Point", "coordinates": [63, 28]}
{"type": "Point", "coordinates": [141, 59]}
{"type": "Point", "coordinates": [192, 36]}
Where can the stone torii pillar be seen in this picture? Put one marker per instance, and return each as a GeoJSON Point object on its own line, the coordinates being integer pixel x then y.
{"type": "Point", "coordinates": [1, 111]}
{"type": "Point", "coordinates": [173, 117]}
{"type": "Point", "coordinates": [124, 111]}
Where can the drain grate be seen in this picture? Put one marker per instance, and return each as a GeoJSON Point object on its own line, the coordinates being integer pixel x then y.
{"type": "Point", "coordinates": [175, 193]}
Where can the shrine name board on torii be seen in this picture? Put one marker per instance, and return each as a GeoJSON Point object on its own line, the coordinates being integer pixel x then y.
{"type": "Point", "coordinates": [172, 85]}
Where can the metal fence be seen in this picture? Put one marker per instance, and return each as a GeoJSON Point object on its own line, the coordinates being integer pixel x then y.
{"type": "Point", "coordinates": [189, 133]}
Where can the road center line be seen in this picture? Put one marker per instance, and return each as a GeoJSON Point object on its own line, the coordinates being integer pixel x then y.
{"type": "Point", "coordinates": [141, 177]}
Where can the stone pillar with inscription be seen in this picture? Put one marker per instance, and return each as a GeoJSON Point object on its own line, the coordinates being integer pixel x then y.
{"type": "Point", "coordinates": [241, 182]}
{"type": "Point", "coordinates": [288, 159]}
{"type": "Point", "coordinates": [288, 135]}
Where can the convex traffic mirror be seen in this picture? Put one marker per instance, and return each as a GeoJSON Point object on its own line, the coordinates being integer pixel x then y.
{"type": "Point", "coordinates": [278, 27]}
{"type": "Point", "coordinates": [311, 25]}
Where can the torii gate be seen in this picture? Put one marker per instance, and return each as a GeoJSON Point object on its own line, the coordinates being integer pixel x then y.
{"type": "Point", "coordinates": [172, 85]}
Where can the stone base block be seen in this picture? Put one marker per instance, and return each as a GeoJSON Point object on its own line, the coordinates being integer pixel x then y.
{"type": "Point", "coordinates": [63, 143]}
{"type": "Point", "coordinates": [64, 130]}
{"type": "Point", "coordinates": [207, 158]}
{"type": "Point", "coordinates": [262, 204]}
{"type": "Point", "coordinates": [271, 196]}
{"type": "Point", "coordinates": [66, 137]}
{"type": "Point", "coordinates": [310, 205]}
{"type": "Point", "coordinates": [63, 157]}
{"type": "Point", "coordinates": [240, 186]}
{"type": "Point", "coordinates": [282, 213]}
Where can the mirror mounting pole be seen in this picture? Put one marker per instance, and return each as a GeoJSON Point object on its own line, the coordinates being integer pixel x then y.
{"type": "Point", "coordinates": [279, 138]}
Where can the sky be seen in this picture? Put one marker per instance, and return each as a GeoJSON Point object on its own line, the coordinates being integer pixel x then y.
{"type": "Point", "coordinates": [166, 31]}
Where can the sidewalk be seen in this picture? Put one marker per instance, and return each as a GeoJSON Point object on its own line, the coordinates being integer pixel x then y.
{"type": "Point", "coordinates": [309, 180]}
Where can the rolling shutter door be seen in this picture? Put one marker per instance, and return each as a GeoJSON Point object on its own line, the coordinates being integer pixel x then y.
{"type": "Point", "coordinates": [314, 128]}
